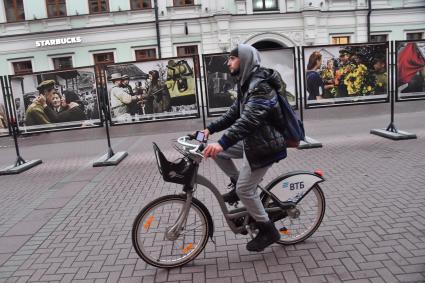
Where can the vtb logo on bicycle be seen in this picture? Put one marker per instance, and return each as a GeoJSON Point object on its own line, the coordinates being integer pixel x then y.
{"type": "Point", "coordinates": [293, 186]}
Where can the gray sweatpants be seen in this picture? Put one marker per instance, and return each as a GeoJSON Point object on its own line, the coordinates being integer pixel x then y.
{"type": "Point", "coordinates": [246, 186]}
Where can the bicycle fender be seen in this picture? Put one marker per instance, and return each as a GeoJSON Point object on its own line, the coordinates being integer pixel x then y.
{"type": "Point", "coordinates": [207, 213]}
{"type": "Point", "coordinates": [292, 187]}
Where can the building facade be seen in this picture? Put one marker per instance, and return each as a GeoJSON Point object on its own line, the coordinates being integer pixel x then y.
{"type": "Point", "coordinates": [41, 35]}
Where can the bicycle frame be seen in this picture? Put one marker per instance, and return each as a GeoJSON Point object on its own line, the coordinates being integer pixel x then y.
{"type": "Point", "coordinates": [293, 177]}
{"type": "Point", "coordinates": [229, 215]}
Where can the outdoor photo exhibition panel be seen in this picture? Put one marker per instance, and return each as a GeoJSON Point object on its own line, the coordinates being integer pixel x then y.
{"type": "Point", "coordinates": [221, 87]}
{"type": "Point", "coordinates": [152, 90]}
{"type": "Point", "coordinates": [410, 75]}
{"type": "Point", "coordinates": [56, 100]}
{"type": "Point", "coordinates": [345, 74]}
{"type": "Point", "coordinates": [4, 119]}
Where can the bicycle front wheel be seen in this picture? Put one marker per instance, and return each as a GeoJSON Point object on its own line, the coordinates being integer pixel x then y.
{"type": "Point", "coordinates": [155, 246]}
{"type": "Point", "coordinates": [302, 221]}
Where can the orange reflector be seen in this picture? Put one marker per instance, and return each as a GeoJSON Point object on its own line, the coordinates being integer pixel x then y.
{"type": "Point", "coordinates": [148, 222]}
{"type": "Point", "coordinates": [319, 172]}
{"type": "Point", "coordinates": [284, 231]}
{"type": "Point", "coordinates": [187, 248]}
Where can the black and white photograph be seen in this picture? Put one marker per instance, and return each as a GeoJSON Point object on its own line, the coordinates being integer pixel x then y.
{"type": "Point", "coordinates": [58, 100]}
{"type": "Point", "coordinates": [221, 87]}
{"type": "Point", "coordinates": [152, 90]}
{"type": "Point", "coordinates": [345, 74]}
{"type": "Point", "coordinates": [410, 70]}
{"type": "Point", "coordinates": [4, 128]}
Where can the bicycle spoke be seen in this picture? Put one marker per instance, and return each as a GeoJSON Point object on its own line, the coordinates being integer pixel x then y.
{"type": "Point", "coordinates": [184, 233]}
{"type": "Point", "coordinates": [157, 247]}
{"type": "Point", "coordinates": [297, 229]}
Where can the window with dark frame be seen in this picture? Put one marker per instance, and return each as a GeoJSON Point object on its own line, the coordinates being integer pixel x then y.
{"type": "Point", "coordinates": [22, 67]}
{"type": "Point", "coordinates": [264, 5]}
{"type": "Point", "coordinates": [140, 4]}
{"type": "Point", "coordinates": [56, 8]}
{"type": "Point", "coordinates": [414, 35]}
{"type": "Point", "coordinates": [104, 58]}
{"type": "Point", "coordinates": [189, 50]}
{"type": "Point", "coordinates": [14, 10]}
{"type": "Point", "coordinates": [145, 54]}
{"type": "Point", "coordinates": [98, 6]}
{"type": "Point", "coordinates": [378, 37]}
{"type": "Point", "coordinates": [61, 63]}
{"type": "Point", "coordinates": [340, 39]}
{"type": "Point", "coordinates": [184, 2]}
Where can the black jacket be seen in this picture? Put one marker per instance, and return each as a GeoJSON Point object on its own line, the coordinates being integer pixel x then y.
{"type": "Point", "coordinates": [255, 118]}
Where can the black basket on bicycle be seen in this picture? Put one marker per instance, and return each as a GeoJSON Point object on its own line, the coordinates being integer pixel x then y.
{"type": "Point", "coordinates": [180, 171]}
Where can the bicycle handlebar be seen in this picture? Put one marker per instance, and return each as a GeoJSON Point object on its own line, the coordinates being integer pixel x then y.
{"type": "Point", "coordinates": [192, 148]}
{"type": "Point", "coordinates": [183, 141]}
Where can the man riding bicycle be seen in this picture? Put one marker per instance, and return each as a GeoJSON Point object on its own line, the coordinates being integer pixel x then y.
{"type": "Point", "coordinates": [253, 134]}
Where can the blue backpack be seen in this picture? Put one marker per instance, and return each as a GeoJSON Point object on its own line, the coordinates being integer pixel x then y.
{"type": "Point", "coordinates": [293, 126]}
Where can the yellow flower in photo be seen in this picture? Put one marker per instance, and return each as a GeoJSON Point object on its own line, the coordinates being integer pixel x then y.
{"type": "Point", "coordinates": [369, 88]}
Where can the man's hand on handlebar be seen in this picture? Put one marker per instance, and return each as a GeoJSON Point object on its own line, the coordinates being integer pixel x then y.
{"type": "Point", "coordinates": [212, 150]}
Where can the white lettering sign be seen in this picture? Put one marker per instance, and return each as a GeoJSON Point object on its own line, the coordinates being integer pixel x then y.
{"type": "Point", "coordinates": [58, 41]}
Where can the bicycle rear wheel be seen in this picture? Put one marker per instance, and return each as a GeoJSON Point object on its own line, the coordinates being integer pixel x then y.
{"type": "Point", "coordinates": [149, 234]}
{"type": "Point", "coordinates": [302, 221]}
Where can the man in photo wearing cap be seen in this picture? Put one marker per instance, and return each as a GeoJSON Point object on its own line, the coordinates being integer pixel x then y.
{"type": "Point", "coordinates": [343, 70]}
{"type": "Point", "coordinates": [120, 99]}
{"type": "Point", "coordinates": [253, 127]}
{"type": "Point", "coordinates": [35, 114]}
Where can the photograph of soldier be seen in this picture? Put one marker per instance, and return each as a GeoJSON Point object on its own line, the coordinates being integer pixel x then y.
{"type": "Point", "coordinates": [120, 96]}
{"type": "Point", "coordinates": [411, 69]}
{"type": "Point", "coordinates": [221, 90]}
{"type": "Point", "coordinates": [4, 129]}
{"type": "Point", "coordinates": [56, 100]}
{"type": "Point", "coordinates": [346, 74]}
{"type": "Point", "coordinates": [152, 90]}
{"type": "Point", "coordinates": [132, 107]}
{"type": "Point", "coordinates": [161, 99]}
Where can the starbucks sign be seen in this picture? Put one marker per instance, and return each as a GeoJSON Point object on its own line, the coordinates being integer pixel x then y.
{"type": "Point", "coordinates": [58, 41]}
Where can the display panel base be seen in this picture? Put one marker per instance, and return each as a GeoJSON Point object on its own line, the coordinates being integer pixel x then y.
{"type": "Point", "coordinates": [309, 143]}
{"type": "Point", "coordinates": [110, 161]}
{"type": "Point", "coordinates": [399, 135]}
{"type": "Point", "coordinates": [10, 170]}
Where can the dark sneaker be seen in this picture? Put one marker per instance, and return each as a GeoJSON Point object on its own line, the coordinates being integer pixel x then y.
{"type": "Point", "coordinates": [231, 197]}
{"type": "Point", "coordinates": [267, 235]}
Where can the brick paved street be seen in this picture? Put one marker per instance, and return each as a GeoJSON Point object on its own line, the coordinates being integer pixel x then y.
{"type": "Point", "coordinates": [65, 221]}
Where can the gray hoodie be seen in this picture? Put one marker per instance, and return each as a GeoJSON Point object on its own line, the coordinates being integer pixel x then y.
{"type": "Point", "coordinates": [250, 61]}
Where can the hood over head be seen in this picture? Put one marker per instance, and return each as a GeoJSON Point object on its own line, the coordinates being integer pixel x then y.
{"type": "Point", "coordinates": [270, 76]}
{"type": "Point", "coordinates": [250, 61]}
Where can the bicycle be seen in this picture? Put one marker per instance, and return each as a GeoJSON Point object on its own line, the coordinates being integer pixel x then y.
{"type": "Point", "coordinates": [174, 229]}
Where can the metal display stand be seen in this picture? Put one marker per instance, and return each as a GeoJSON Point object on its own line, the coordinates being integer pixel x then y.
{"type": "Point", "coordinates": [307, 142]}
{"type": "Point", "coordinates": [20, 164]}
{"type": "Point", "coordinates": [391, 132]}
{"type": "Point", "coordinates": [110, 158]}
